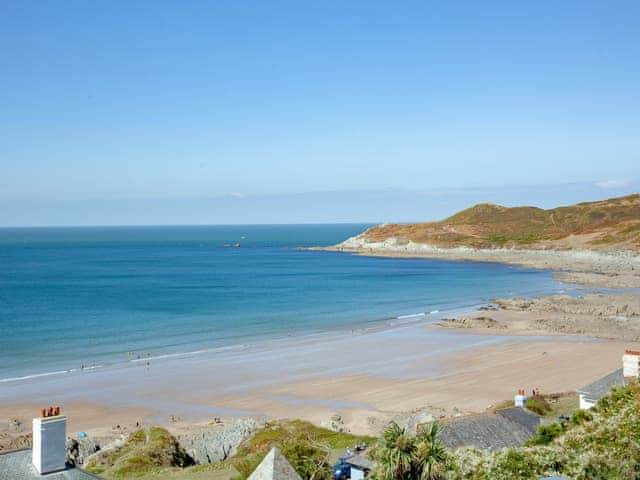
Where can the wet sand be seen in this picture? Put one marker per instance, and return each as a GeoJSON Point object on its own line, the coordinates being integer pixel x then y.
{"type": "Point", "coordinates": [368, 377]}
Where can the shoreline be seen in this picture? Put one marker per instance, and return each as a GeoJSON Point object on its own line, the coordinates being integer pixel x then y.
{"type": "Point", "coordinates": [257, 344]}
{"type": "Point", "coordinates": [481, 371]}
{"type": "Point", "coordinates": [399, 368]}
{"type": "Point", "coordinates": [610, 315]}
{"type": "Point", "coordinates": [586, 267]}
{"type": "Point", "coordinates": [368, 377]}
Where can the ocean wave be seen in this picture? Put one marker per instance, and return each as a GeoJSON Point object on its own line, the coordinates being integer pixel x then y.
{"type": "Point", "coordinates": [35, 375]}
{"type": "Point", "coordinates": [169, 355]}
{"type": "Point", "coordinates": [49, 374]}
{"type": "Point", "coordinates": [411, 315]}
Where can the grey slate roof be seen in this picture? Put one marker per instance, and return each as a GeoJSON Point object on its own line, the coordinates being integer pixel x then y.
{"type": "Point", "coordinates": [274, 467]}
{"type": "Point", "coordinates": [598, 389]}
{"type": "Point", "coordinates": [525, 418]}
{"type": "Point", "coordinates": [17, 466]}
{"type": "Point", "coordinates": [506, 428]}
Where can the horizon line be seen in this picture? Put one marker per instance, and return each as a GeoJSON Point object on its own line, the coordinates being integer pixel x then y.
{"type": "Point", "coordinates": [158, 225]}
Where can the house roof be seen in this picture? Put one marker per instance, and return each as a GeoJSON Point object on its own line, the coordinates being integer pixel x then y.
{"type": "Point", "coordinates": [18, 466]}
{"type": "Point", "coordinates": [359, 461]}
{"type": "Point", "coordinates": [506, 428]}
{"type": "Point", "coordinates": [598, 389]}
{"type": "Point", "coordinates": [274, 467]}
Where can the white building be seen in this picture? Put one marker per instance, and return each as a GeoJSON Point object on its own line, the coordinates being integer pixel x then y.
{"type": "Point", "coordinates": [593, 392]}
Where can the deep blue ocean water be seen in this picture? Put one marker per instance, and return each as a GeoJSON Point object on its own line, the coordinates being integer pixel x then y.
{"type": "Point", "coordinates": [84, 296]}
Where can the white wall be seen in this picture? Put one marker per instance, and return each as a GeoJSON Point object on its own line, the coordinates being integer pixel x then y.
{"type": "Point", "coordinates": [356, 474]}
{"type": "Point", "coordinates": [49, 443]}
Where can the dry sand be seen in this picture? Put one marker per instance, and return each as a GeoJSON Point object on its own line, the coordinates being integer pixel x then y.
{"type": "Point", "coordinates": [100, 420]}
{"type": "Point", "coordinates": [387, 374]}
{"type": "Point", "coordinates": [475, 380]}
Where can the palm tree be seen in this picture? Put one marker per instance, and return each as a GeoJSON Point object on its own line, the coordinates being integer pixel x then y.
{"type": "Point", "coordinates": [402, 457]}
{"type": "Point", "coordinates": [431, 455]}
{"type": "Point", "coordinates": [396, 453]}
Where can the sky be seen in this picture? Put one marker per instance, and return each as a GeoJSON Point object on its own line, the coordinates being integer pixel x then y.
{"type": "Point", "coordinates": [152, 112]}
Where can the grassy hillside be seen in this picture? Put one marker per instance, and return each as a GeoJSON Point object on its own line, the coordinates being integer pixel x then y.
{"type": "Point", "coordinates": [603, 443]}
{"type": "Point", "coordinates": [613, 223]}
{"type": "Point", "coordinates": [143, 451]}
{"type": "Point", "coordinates": [155, 454]}
{"type": "Point", "coordinates": [310, 449]}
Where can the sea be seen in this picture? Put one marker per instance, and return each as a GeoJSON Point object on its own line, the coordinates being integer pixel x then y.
{"type": "Point", "coordinates": [91, 297]}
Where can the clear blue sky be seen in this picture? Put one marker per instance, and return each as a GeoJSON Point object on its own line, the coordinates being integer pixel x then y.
{"type": "Point", "coordinates": [131, 103]}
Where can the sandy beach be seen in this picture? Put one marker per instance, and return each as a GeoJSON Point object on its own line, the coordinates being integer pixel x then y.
{"type": "Point", "coordinates": [435, 365]}
{"type": "Point", "coordinates": [367, 377]}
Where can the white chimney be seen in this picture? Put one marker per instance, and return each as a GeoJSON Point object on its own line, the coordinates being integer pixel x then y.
{"type": "Point", "coordinates": [631, 364]}
{"type": "Point", "coordinates": [49, 441]}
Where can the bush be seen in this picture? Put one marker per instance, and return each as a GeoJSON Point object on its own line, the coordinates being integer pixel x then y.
{"type": "Point", "coordinates": [305, 446]}
{"type": "Point", "coordinates": [581, 416]}
{"type": "Point", "coordinates": [546, 434]}
{"type": "Point", "coordinates": [538, 405]}
{"type": "Point", "coordinates": [603, 443]}
{"type": "Point", "coordinates": [142, 452]}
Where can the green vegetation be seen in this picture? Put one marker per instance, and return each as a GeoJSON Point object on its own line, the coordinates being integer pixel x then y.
{"type": "Point", "coordinates": [606, 223]}
{"type": "Point", "coordinates": [547, 406]}
{"type": "Point", "coordinates": [563, 404]}
{"type": "Point", "coordinates": [603, 443]}
{"type": "Point", "coordinates": [214, 471]}
{"type": "Point", "coordinates": [546, 434]}
{"type": "Point", "coordinates": [502, 240]}
{"type": "Point", "coordinates": [307, 447]}
{"type": "Point", "coordinates": [538, 405]}
{"type": "Point", "coordinates": [154, 454]}
{"type": "Point", "coordinates": [143, 451]}
{"type": "Point", "coordinates": [404, 457]}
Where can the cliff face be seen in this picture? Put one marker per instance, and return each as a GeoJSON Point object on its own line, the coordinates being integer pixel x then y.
{"type": "Point", "coordinates": [612, 224]}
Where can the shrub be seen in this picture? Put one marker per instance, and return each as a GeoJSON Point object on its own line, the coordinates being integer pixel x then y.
{"type": "Point", "coordinates": [305, 446]}
{"type": "Point", "coordinates": [538, 405]}
{"type": "Point", "coordinates": [579, 417]}
{"type": "Point", "coordinates": [603, 443]}
{"type": "Point", "coordinates": [143, 451]}
{"type": "Point", "coordinates": [546, 434]}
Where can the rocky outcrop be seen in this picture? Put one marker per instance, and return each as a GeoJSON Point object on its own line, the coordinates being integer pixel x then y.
{"type": "Point", "coordinates": [471, 322]}
{"type": "Point", "coordinates": [216, 442]}
{"type": "Point", "coordinates": [78, 451]}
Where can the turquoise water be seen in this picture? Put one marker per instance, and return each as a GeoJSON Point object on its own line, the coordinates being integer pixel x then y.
{"type": "Point", "coordinates": [94, 296]}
